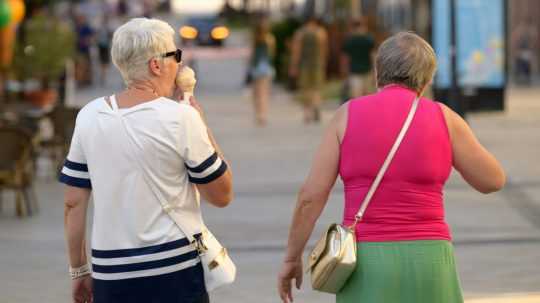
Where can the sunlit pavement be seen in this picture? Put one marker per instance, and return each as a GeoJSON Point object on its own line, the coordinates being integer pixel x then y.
{"type": "Point", "coordinates": [509, 298]}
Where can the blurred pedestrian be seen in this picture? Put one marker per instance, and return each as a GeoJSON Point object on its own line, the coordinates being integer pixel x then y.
{"type": "Point", "coordinates": [358, 50]}
{"type": "Point", "coordinates": [404, 249]}
{"type": "Point", "coordinates": [160, 155]}
{"type": "Point", "coordinates": [104, 37]}
{"type": "Point", "coordinates": [309, 51]}
{"type": "Point", "coordinates": [148, 8]}
{"type": "Point", "coordinates": [85, 39]}
{"type": "Point", "coordinates": [122, 8]}
{"type": "Point", "coordinates": [524, 42]}
{"type": "Point", "coordinates": [261, 70]}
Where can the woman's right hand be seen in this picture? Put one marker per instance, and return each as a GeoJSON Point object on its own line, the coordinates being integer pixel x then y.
{"type": "Point", "coordinates": [82, 290]}
{"type": "Point", "coordinates": [290, 270]}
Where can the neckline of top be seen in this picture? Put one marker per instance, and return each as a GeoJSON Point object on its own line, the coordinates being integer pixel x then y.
{"type": "Point", "coordinates": [116, 108]}
{"type": "Point", "coordinates": [398, 86]}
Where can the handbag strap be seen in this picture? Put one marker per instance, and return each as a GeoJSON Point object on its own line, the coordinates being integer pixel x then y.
{"type": "Point", "coordinates": [358, 217]}
{"type": "Point", "coordinates": [167, 207]}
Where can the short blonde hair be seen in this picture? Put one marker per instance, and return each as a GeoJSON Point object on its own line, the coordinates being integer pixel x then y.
{"type": "Point", "coordinates": [405, 58]}
{"type": "Point", "coordinates": [136, 42]}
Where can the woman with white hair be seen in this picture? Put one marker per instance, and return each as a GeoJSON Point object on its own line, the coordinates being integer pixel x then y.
{"type": "Point", "coordinates": [404, 250]}
{"type": "Point", "coordinates": [131, 151]}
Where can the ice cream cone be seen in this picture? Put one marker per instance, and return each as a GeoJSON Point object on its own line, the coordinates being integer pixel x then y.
{"type": "Point", "coordinates": [186, 81]}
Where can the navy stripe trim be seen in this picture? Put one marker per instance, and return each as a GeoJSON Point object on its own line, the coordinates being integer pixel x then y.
{"type": "Point", "coordinates": [206, 164]}
{"type": "Point", "coordinates": [76, 182]}
{"type": "Point", "coordinates": [76, 166]}
{"type": "Point", "coordinates": [111, 269]}
{"type": "Point", "coordinates": [132, 252]}
{"type": "Point", "coordinates": [213, 176]}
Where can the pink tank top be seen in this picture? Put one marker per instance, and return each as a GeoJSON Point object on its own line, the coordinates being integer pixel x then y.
{"type": "Point", "coordinates": [408, 205]}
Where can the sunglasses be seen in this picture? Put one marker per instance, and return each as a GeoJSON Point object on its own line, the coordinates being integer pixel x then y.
{"type": "Point", "coordinates": [177, 55]}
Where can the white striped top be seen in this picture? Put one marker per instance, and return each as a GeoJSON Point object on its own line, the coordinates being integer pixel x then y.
{"type": "Point", "coordinates": [128, 158]}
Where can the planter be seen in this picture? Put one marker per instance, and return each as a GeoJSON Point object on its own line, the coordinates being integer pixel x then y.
{"type": "Point", "coordinates": [42, 98]}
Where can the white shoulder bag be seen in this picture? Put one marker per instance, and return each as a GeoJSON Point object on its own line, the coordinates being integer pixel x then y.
{"type": "Point", "coordinates": [219, 269]}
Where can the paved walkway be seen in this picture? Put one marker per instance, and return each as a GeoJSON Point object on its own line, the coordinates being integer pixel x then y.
{"type": "Point", "coordinates": [509, 298]}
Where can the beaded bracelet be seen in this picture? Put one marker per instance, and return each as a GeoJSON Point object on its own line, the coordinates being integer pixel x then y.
{"type": "Point", "coordinates": [78, 272]}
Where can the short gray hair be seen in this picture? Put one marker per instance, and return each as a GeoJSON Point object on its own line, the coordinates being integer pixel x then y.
{"type": "Point", "coordinates": [136, 42]}
{"type": "Point", "coordinates": [405, 58]}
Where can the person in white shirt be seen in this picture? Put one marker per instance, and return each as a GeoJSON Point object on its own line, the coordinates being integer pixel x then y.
{"type": "Point", "coordinates": [130, 151]}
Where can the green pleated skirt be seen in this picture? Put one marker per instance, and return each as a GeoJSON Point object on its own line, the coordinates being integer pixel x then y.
{"type": "Point", "coordinates": [404, 272]}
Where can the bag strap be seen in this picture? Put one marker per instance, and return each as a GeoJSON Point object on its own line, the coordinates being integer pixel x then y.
{"type": "Point", "coordinates": [358, 217]}
{"type": "Point", "coordinates": [167, 207]}
{"type": "Point", "coordinates": [114, 103]}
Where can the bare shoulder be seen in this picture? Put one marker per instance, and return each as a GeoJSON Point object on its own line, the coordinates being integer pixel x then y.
{"type": "Point", "coordinates": [449, 114]}
{"type": "Point", "coordinates": [340, 120]}
{"type": "Point", "coordinates": [455, 123]}
{"type": "Point", "coordinates": [450, 117]}
{"type": "Point", "coordinates": [342, 111]}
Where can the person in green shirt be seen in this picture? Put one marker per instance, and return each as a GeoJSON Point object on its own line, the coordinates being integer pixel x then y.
{"type": "Point", "coordinates": [358, 49]}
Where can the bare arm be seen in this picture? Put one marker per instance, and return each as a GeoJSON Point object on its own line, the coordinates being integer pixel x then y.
{"type": "Point", "coordinates": [324, 45]}
{"type": "Point", "coordinates": [344, 64]}
{"type": "Point", "coordinates": [75, 208]}
{"type": "Point", "coordinates": [316, 189]}
{"type": "Point", "coordinates": [272, 45]}
{"type": "Point", "coordinates": [475, 164]}
{"type": "Point", "coordinates": [311, 201]}
{"type": "Point", "coordinates": [314, 193]}
{"type": "Point", "coordinates": [373, 57]}
{"type": "Point", "coordinates": [220, 191]}
{"type": "Point", "coordinates": [295, 54]}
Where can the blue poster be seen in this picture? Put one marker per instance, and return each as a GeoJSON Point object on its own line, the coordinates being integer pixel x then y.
{"type": "Point", "coordinates": [480, 33]}
{"type": "Point", "coordinates": [480, 43]}
{"type": "Point", "coordinates": [441, 42]}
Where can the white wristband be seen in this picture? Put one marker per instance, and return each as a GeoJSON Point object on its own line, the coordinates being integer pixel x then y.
{"type": "Point", "coordinates": [78, 272]}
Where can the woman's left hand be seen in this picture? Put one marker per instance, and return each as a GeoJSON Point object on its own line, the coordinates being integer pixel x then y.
{"type": "Point", "coordinates": [290, 270]}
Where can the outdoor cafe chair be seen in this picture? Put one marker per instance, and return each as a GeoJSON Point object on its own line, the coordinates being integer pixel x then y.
{"type": "Point", "coordinates": [17, 168]}
{"type": "Point", "coordinates": [63, 122]}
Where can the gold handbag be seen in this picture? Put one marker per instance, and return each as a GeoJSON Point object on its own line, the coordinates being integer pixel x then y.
{"type": "Point", "coordinates": [333, 259]}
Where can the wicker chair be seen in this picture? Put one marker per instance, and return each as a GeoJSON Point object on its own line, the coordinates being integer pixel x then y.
{"type": "Point", "coordinates": [63, 121]}
{"type": "Point", "coordinates": [17, 168]}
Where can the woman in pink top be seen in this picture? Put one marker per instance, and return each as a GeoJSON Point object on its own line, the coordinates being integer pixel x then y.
{"type": "Point", "coordinates": [404, 249]}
